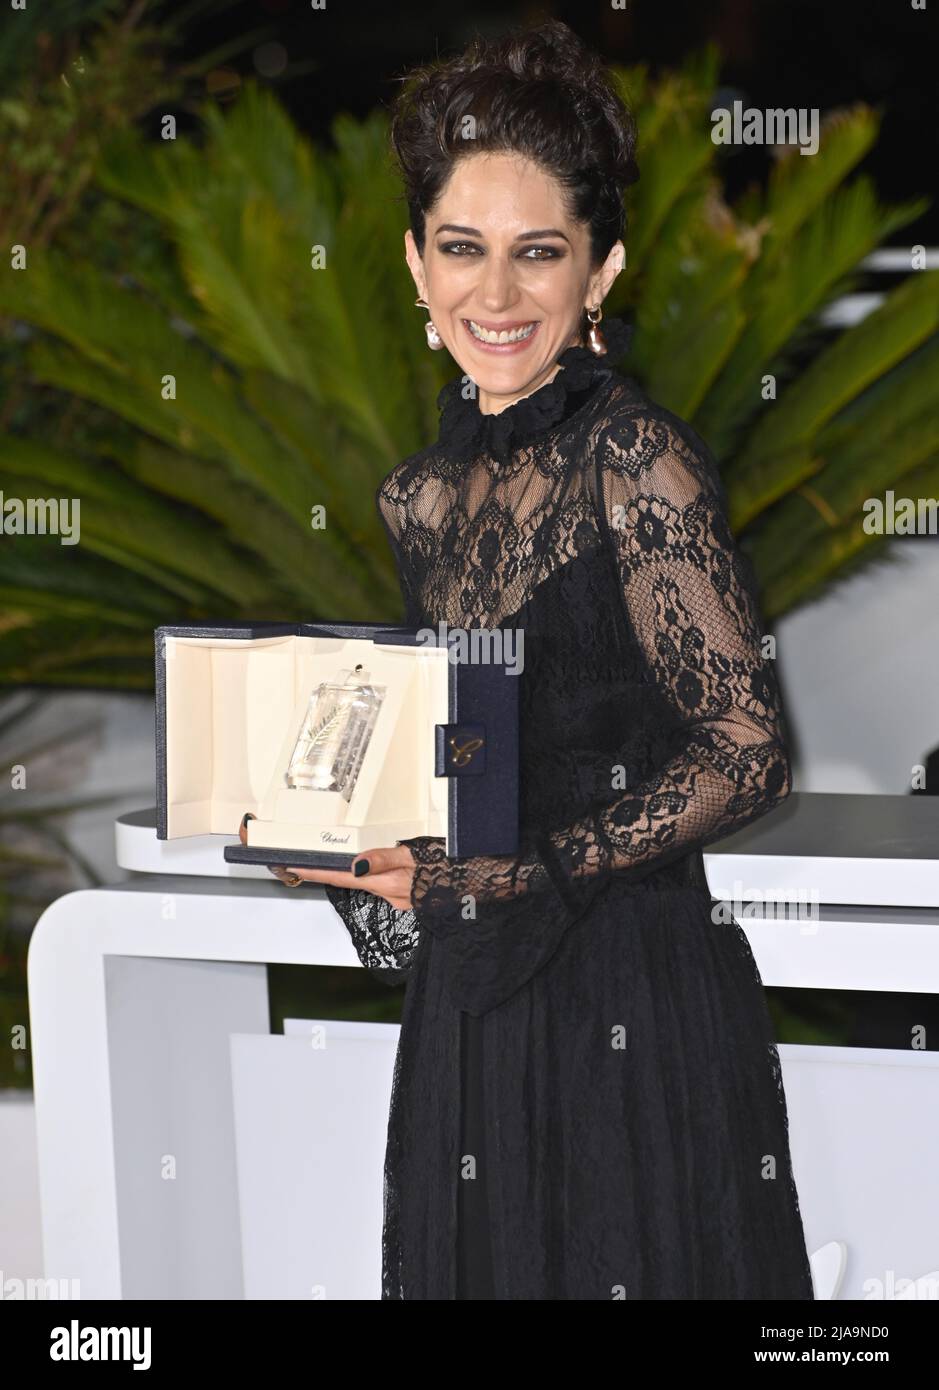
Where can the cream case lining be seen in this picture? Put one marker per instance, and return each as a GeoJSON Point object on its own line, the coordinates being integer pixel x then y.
{"type": "Point", "coordinates": [234, 709]}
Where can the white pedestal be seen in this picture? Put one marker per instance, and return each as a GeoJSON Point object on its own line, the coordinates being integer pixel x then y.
{"type": "Point", "coordinates": [185, 1152]}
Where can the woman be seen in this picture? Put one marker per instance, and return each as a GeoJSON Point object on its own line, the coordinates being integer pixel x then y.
{"type": "Point", "coordinates": [587, 1099]}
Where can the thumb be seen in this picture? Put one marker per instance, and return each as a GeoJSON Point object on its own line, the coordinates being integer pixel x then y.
{"type": "Point", "coordinates": [377, 861]}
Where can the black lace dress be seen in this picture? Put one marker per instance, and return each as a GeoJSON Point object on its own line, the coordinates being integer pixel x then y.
{"type": "Point", "coordinates": [587, 1097]}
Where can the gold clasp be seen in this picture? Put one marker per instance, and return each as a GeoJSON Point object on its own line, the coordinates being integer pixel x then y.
{"type": "Point", "coordinates": [463, 753]}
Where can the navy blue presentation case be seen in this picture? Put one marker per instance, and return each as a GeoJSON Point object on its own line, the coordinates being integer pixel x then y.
{"type": "Point", "coordinates": [482, 786]}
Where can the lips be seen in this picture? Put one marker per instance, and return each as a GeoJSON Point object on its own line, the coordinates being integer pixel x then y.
{"type": "Point", "coordinates": [501, 336]}
{"type": "Point", "coordinates": [495, 326]}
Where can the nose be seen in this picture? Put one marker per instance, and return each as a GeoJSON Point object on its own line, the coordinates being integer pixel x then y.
{"type": "Point", "coordinates": [497, 291]}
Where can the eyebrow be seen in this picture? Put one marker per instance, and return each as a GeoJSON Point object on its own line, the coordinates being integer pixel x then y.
{"type": "Point", "coordinates": [522, 236]}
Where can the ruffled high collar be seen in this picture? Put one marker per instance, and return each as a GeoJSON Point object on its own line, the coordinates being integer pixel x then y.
{"type": "Point", "coordinates": [465, 431]}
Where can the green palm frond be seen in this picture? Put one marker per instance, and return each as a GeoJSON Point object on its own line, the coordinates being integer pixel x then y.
{"type": "Point", "coordinates": [781, 450]}
{"type": "Point", "coordinates": [233, 345]}
{"type": "Point", "coordinates": [820, 262]}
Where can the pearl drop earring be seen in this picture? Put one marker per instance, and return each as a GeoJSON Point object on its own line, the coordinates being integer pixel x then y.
{"type": "Point", "coordinates": [595, 339]}
{"type": "Point", "coordinates": [434, 340]}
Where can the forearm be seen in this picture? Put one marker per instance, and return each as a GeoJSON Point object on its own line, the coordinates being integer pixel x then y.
{"type": "Point", "coordinates": [711, 788]}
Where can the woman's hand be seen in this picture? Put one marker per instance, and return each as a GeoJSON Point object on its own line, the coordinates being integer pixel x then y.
{"type": "Point", "coordinates": [388, 873]}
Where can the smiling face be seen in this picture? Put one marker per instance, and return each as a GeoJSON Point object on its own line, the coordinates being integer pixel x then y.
{"type": "Point", "coordinates": [507, 274]}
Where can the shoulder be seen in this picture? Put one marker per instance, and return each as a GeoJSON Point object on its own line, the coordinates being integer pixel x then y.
{"type": "Point", "coordinates": [657, 482]}
{"type": "Point", "coordinates": [642, 444]}
{"type": "Point", "coordinates": [411, 491]}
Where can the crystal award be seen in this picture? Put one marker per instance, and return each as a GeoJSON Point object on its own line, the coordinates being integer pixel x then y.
{"type": "Point", "coordinates": [335, 734]}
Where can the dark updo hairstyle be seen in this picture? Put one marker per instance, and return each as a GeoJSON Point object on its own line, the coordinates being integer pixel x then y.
{"type": "Point", "coordinates": [538, 92]}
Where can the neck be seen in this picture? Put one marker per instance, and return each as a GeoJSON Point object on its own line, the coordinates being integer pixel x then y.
{"type": "Point", "coordinates": [492, 404]}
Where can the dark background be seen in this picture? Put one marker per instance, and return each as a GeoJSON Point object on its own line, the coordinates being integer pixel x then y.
{"type": "Point", "coordinates": [802, 53]}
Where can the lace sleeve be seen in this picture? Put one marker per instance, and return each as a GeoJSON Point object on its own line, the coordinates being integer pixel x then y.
{"type": "Point", "coordinates": [384, 938]}
{"type": "Point", "coordinates": [689, 600]}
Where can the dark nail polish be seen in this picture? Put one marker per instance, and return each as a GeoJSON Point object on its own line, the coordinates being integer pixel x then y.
{"type": "Point", "coordinates": [276, 869]}
{"type": "Point", "coordinates": [360, 867]}
{"type": "Point", "coordinates": [246, 817]}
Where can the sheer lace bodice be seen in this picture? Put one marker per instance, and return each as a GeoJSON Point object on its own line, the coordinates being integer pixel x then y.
{"type": "Point", "coordinates": [594, 522]}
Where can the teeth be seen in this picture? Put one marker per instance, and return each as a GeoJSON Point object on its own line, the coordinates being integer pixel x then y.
{"type": "Point", "coordinates": [486, 335]}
